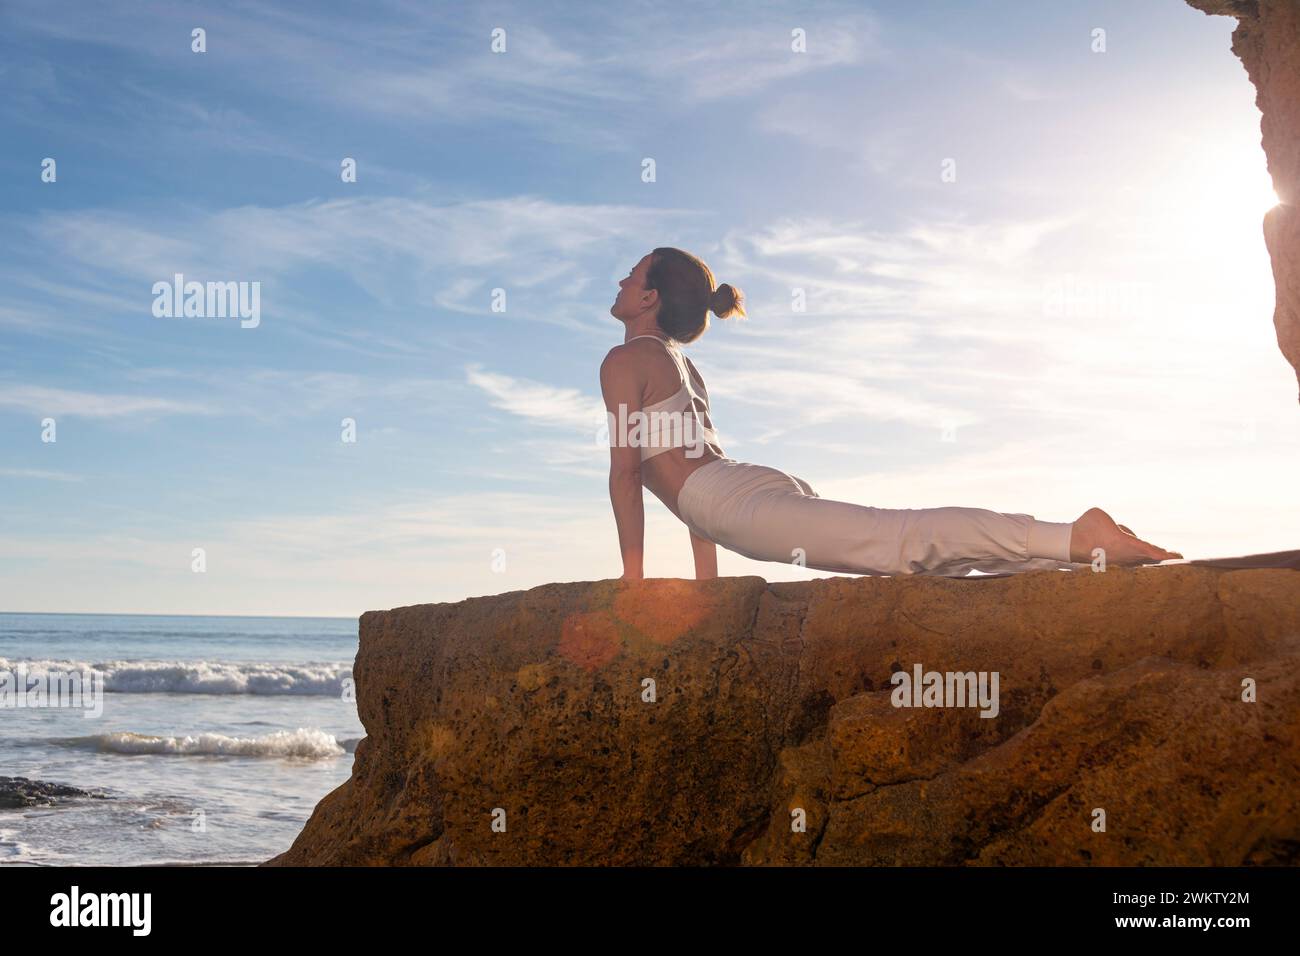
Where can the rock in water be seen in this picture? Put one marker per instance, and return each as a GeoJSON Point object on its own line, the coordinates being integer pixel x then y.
{"type": "Point", "coordinates": [19, 792]}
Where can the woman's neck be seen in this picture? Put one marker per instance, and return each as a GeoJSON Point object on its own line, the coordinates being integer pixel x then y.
{"type": "Point", "coordinates": [652, 330]}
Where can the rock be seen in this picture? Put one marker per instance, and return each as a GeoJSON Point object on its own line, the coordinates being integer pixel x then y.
{"type": "Point", "coordinates": [19, 792]}
{"type": "Point", "coordinates": [1267, 40]}
{"type": "Point", "coordinates": [1119, 691]}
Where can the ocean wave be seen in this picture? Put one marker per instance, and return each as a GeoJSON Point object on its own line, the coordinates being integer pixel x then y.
{"type": "Point", "coordinates": [313, 679]}
{"type": "Point", "coordinates": [303, 742]}
{"type": "Point", "coordinates": [14, 850]}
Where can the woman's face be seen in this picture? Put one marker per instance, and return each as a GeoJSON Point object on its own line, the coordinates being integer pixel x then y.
{"type": "Point", "coordinates": [630, 301]}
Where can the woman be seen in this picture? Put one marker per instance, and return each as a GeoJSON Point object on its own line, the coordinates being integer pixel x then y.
{"type": "Point", "coordinates": [661, 436]}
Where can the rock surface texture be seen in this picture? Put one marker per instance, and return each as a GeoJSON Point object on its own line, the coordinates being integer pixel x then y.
{"type": "Point", "coordinates": [696, 722]}
{"type": "Point", "coordinates": [1267, 40]}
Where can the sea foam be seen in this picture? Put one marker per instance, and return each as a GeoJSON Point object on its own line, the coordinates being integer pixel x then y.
{"type": "Point", "coordinates": [320, 679]}
{"type": "Point", "coordinates": [303, 742]}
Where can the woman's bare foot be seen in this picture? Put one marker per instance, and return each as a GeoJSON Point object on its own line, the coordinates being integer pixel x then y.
{"type": "Point", "coordinates": [1096, 529]}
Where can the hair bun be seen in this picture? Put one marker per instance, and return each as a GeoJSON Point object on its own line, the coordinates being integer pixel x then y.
{"type": "Point", "coordinates": [727, 300]}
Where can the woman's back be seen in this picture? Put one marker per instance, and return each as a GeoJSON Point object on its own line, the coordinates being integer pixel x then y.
{"type": "Point", "coordinates": [677, 423]}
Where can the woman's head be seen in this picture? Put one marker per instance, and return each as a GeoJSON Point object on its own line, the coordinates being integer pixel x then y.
{"type": "Point", "coordinates": [679, 289]}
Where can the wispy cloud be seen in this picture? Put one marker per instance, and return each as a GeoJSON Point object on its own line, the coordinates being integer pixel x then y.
{"type": "Point", "coordinates": [55, 402]}
{"type": "Point", "coordinates": [394, 251]}
{"type": "Point", "coordinates": [733, 60]}
{"type": "Point", "coordinates": [38, 474]}
{"type": "Point", "coordinates": [966, 279]}
{"type": "Point", "coordinates": [560, 66]}
{"type": "Point", "coordinates": [538, 402]}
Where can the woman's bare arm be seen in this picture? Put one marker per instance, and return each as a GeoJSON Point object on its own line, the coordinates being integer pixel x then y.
{"type": "Point", "coordinates": [621, 387]}
{"type": "Point", "coordinates": [706, 557]}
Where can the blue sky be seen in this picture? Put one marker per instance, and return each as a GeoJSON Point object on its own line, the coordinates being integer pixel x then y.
{"type": "Point", "coordinates": [1083, 317]}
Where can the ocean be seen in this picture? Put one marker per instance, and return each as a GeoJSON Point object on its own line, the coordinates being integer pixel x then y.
{"type": "Point", "coordinates": [217, 737]}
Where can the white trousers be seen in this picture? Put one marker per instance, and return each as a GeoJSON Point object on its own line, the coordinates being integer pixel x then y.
{"type": "Point", "coordinates": [768, 515]}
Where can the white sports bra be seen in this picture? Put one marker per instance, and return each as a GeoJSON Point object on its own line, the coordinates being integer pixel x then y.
{"type": "Point", "coordinates": [674, 423]}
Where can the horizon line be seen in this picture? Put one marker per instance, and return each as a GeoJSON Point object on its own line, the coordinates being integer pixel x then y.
{"type": "Point", "coordinates": [300, 617]}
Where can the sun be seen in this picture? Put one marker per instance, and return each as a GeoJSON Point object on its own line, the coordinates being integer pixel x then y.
{"type": "Point", "coordinates": [1214, 199]}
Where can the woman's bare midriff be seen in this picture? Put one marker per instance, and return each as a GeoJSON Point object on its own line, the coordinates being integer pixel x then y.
{"type": "Point", "coordinates": [666, 472]}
